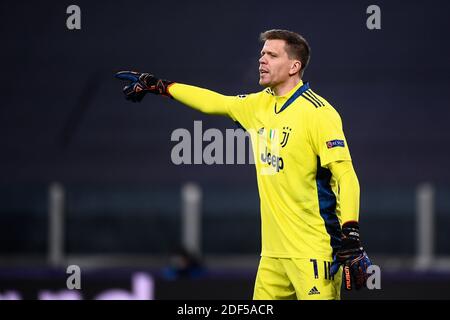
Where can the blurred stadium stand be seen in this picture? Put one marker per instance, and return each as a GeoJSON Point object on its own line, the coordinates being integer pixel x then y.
{"type": "Point", "coordinates": [63, 119]}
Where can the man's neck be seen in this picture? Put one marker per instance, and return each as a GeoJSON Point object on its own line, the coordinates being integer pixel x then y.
{"type": "Point", "coordinates": [285, 87]}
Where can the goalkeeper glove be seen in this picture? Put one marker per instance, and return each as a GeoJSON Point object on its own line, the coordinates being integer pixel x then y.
{"type": "Point", "coordinates": [352, 256]}
{"type": "Point", "coordinates": [141, 83]}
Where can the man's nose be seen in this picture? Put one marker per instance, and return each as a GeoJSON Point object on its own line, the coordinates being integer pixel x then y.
{"type": "Point", "coordinates": [262, 60]}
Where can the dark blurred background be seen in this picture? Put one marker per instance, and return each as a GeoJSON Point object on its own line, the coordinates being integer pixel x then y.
{"type": "Point", "coordinates": [63, 119]}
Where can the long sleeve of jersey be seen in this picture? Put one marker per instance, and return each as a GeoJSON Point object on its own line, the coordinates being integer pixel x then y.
{"type": "Point", "coordinates": [203, 100]}
{"type": "Point", "coordinates": [349, 190]}
{"type": "Point", "coordinates": [239, 108]}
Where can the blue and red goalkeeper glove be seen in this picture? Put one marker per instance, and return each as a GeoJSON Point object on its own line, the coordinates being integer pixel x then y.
{"type": "Point", "coordinates": [352, 257]}
{"type": "Point", "coordinates": [142, 83]}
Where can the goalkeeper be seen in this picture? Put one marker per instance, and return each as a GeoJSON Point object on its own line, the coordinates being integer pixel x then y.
{"type": "Point", "coordinates": [309, 191]}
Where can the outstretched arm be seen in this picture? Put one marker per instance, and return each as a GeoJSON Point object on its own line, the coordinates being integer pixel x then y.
{"type": "Point", "coordinates": [200, 99]}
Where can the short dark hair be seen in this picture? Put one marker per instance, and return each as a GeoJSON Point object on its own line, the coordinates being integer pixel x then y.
{"type": "Point", "coordinates": [296, 46]}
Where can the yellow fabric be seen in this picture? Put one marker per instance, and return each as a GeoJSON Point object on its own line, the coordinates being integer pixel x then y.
{"type": "Point", "coordinates": [203, 100]}
{"type": "Point", "coordinates": [296, 279]}
{"type": "Point", "coordinates": [299, 199]}
{"type": "Point", "coordinates": [348, 189]}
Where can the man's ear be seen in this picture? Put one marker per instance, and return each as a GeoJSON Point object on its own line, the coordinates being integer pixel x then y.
{"type": "Point", "coordinates": [295, 67]}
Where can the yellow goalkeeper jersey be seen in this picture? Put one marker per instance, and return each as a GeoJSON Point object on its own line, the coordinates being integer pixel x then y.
{"type": "Point", "coordinates": [294, 138]}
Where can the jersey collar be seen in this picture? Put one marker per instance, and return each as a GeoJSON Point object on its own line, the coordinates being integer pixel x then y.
{"type": "Point", "coordinates": [287, 99]}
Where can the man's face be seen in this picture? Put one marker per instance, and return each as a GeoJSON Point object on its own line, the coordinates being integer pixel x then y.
{"type": "Point", "coordinates": [274, 64]}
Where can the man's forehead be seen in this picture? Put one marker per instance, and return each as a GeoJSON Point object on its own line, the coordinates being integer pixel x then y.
{"type": "Point", "coordinates": [276, 45]}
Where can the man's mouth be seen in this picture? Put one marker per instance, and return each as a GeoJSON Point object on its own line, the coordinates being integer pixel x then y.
{"type": "Point", "coordinates": [262, 71]}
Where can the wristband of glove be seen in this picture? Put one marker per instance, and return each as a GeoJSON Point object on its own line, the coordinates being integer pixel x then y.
{"type": "Point", "coordinates": [156, 86]}
{"type": "Point", "coordinates": [350, 235]}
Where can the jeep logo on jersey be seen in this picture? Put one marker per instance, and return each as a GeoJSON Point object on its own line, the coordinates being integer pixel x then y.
{"type": "Point", "coordinates": [273, 160]}
{"type": "Point", "coordinates": [286, 132]}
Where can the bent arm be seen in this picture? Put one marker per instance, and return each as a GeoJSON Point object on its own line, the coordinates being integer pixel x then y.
{"type": "Point", "coordinates": [200, 99]}
{"type": "Point", "coordinates": [349, 190]}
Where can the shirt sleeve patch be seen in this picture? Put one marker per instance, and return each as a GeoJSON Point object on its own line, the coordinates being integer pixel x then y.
{"type": "Point", "coordinates": [335, 143]}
